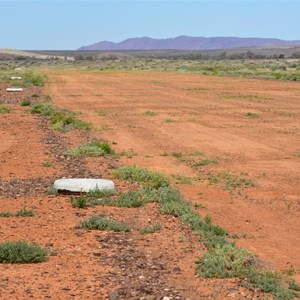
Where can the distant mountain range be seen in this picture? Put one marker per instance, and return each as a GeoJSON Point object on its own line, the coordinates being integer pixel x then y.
{"type": "Point", "coordinates": [188, 43]}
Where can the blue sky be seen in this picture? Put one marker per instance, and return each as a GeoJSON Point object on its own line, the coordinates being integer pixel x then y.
{"type": "Point", "coordinates": [69, 24]}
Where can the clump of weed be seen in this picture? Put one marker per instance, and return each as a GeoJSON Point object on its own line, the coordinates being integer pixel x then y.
{"type": "Point", "coordinates": [206, 162]}
{"type": "Point", "coordinates": [62, 120]}
{"type": "Point", "coordinates": [180, 179]}
{"type": "Point", "coordinates": [35, 96]}
{"type": "Point", "coordinates": [94, 148]}
{"type": "Point", "coordinates": [141, 175]}
{"type": "Point", "coordinates": [252, 115]}
{"type": "Point", "coordinates": [4, 109]}
{"type": "Point", "coordinates": [20, 213]}
{"type": "Point", "coordinates": [151, 229]}
{"type": "Point", "coordinates": [103, 223]}
{"type": "Point", "coordinates": [229, 181]}
{"type": "Point", "coordinates": [26, 103]}
{"type": "Point", "coordinates": [47, 164]}
{"type": "Point", "coordinates": [47, 97]}
{"type": "Point", "coordinates": [21, 252]}
{"type": "Point", "coordinates": [150, 113]}
{"type": "Point", "coordinates": [223, 261]}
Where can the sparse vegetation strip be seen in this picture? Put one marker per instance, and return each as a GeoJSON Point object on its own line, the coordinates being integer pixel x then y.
{"type": "Point", "coordinates": [20, 213]}
{"type": "Point", "coordinates": [223, 258]}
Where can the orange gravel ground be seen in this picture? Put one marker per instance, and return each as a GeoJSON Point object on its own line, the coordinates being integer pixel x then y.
{"type": "Point", "coordinates": [194, 113]}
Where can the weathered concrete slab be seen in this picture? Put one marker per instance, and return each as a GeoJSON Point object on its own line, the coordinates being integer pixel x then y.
{"type": "Point", "coordinates": [83, 184]}
{"type": "Point", "coordinates": [14, 90]}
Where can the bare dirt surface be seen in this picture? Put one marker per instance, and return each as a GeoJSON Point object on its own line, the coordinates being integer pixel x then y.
{"type": "Point", "coordinates": [191, 116]}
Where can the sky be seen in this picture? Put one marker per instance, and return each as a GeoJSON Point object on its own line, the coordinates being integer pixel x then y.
{"type": "Point", "coordinates": [70, 24]}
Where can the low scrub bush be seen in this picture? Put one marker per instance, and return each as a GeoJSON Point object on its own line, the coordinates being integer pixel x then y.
{"type": "Point", "coordinates": [21, 252]}
{"type": "Point", "coordinates": [94, 148]}
{"type": "Point", "coordinates": [103, 223]}
{"type": "Point", "coordinates": [229, 181]}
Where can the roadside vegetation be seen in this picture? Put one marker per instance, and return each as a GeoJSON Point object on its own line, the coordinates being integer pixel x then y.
{"type": "Point", "coordinates": [61, 119]}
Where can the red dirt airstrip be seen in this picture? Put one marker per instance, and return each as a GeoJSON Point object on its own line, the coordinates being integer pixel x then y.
{"type": "Point", "coordinates": [150, 116]}
{"type": "Point", "coordinates": [207, 114]}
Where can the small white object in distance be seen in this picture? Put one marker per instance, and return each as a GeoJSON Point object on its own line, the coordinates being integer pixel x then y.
{"type": "Point", "coordinates": [18, 69]}
{"type": "Point", "coordinates": [15, 78]}
{"type": "Point", "coordinates": [83, 184]}
{"type": "Point", "coordinates": [14, 90]}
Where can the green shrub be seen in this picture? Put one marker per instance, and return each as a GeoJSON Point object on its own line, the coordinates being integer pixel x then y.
{"type": "Point", "coordinates": [225, 261]}
{"type": "Point", "coordinates": [25, 103]}
{"type": "Point", "coordinates": [94, 148]}
{"type": "Point", "coordinates": [47, 164]}
{"type": "Point", "coordinates": [103, 223]}
{"type": "Point", "coordinates": [21, 252]}
{"type": "Point", "coordinates": [141, 175]}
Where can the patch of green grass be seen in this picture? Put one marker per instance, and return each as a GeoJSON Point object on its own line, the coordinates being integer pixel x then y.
{"type": "Point", "coordinates": [103, 223]}
{"type": "Point", "coordinates": [21, 252]}
{"type": "Point", "coordinates": [4, 109]}
{"type": "Point", "coordinates": [206, 162]}
{"type": "Point", "coordinates": [150, 113]}
{"type": "Point", "coordinates": [20, 213]}
{"type": "Point", "coordinates": [94, 148]}
{"type": "Point", "coordinates": [26, 103]}
{"type": "Point", "coordinates": [229, 181]}
{"type": "Point", "coordinates": [151, 229]}
{"type": "Point", "coordinates": [252, 115]}
{"type": "Point", "coordinates": [62, 120]}
{"type": "Point", "coordinates": [141, 175]}
{"type": "Point", "coordinates": [47, 164]}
